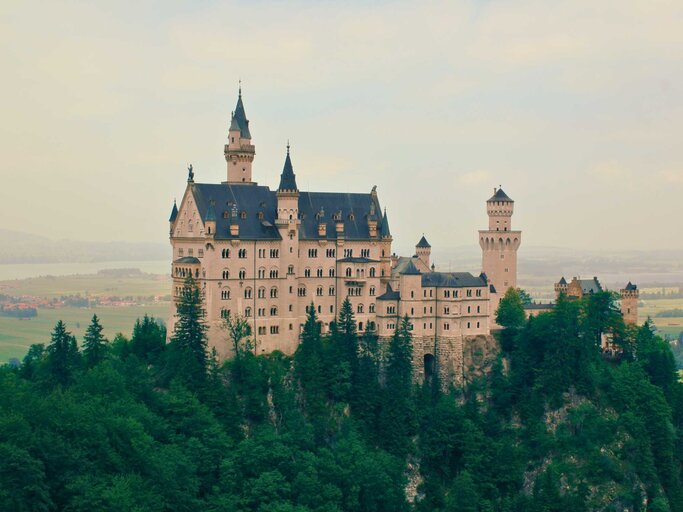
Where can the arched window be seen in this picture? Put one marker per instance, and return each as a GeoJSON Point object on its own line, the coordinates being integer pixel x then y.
{"type": "Point", "coordinates": [348, 271]}
{"type": "Point", "coordinates": [331, 272]}
{"type": "Point", "coordinates": [273, 293]}
{"type": "Point", "coordinates": [247, 312]}
{"type": "Point", "coordinates": [371, 308]}
{"type": "Point", "coordinates": [319, 291]}
{"type": "Point", "coordinates": [372, 291]}
{"type": "Point", "coordinates": [273, 311]}
{"type": "Point", "coordinates": [360, 308]}
{"type": "Point", "coordinates": [225, 294]}
{"type": "Point", "coordinates": [307, 272]}
{"type": "Point", "coordinates": [290, 269]}
{"type": "Point", "coordinates": [247, 293]}
{"type": "Point", "coordinates": [261, 273]}
{"type": "Point", "coordinates": [261, 293]}
{"type": "Point", "coordinates": [225, 253]}
{"type": "Point", "coordinates": [243, 274]}
{"type": "Point", "coordinates": [319, 272]}
{"type": "Point", "coordinates": [372, 271]}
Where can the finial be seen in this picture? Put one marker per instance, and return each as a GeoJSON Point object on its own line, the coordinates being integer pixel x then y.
{"type": "Point", "coordinates": [288, 146]}
{"type": "Point", "coordinates": [240, 87]}
{"type": "Point", "coordinates": [190, 173]}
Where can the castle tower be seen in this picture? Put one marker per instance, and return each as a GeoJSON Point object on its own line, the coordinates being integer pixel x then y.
{"type": "Point", "coordinates": [239, 151]}
{"type": "Point", "coordinates": [561, 287]}
{"type": "Point", "coordinates": [499, 244]}
{"type": "Point", "coordinates": [629, 303]}
{"type": "Point", "coordinates": [423, 250]}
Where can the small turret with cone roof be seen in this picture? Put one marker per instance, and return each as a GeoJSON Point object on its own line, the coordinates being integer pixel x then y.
{"type": "Point", "coordinates": [287, 178]}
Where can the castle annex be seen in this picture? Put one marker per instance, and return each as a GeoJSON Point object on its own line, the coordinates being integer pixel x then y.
{"type": "Point", "coordinates": [268, 255]}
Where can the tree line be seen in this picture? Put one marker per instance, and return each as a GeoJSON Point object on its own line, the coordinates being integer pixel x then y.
{"type": "Point", "coordinates": [342, 425]}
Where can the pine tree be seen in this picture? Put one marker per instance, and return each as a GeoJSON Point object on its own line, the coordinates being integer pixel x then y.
{"type": "Point", "coordinates": [188, 348]}
{"type": "Point", "coordinates": [397, 418]}
{"type": "Point", "coordinates": [63, 355]}
{"type": "Point", "coordinates": [309, 365]}
{"type": "Point", "coordinates": [149, 339]}
{"type": "Point", "coordinates": [94, 343]}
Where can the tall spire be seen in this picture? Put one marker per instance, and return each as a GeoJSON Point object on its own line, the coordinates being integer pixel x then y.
{"type": "Point", "coordinates": [241, 117]}
{"type": "Point", "coordinates": [384, 227]}
{"type": "Point", "coordinates": [287, 178]}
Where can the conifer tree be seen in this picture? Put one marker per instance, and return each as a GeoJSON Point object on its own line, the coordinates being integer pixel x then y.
{"type": "Point", "coordinates": [188, 353]}
{"type": "Point", "coordinates": [309, 365]}
{"type": "Point", "coordinates": [94, 343]}
{"type": "Point", "coordinates": [63, 355]}
{"type": "Point", "coordinates": [397, 419]}
{"type": "Point", "coordinates": [149, 339]}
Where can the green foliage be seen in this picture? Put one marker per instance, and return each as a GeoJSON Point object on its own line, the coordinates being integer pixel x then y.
{"type": "Point", "coordinates": [341, 425]}
{"type": "Point", "coordinates": [94, 343]}
{"type": "Point", "coordinates": [187, 353]}
{"type": "Point", "coordinates": [510, 313]}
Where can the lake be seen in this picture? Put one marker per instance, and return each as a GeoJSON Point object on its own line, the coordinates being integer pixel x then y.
{"type": "Point", "coordinates": [23, 271]}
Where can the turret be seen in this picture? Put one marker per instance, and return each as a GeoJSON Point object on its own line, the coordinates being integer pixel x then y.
{"type": "Point", "coordinates": [561, 287]}
{"type": "Point", "coordinates": [234, 221]}
{"type": "Point", "coordinates": [423, 251]}
{"type": "Point", "coordinates": [288, 197]}
{"type": "Point", "coordinates": [239, 151]}
{"type": "Point", "coordinates": [322, 225]}
{"type": "Point", "coordinates": [372, 220]}
{"type": "Point", "coordinates": [629, 303]}
{"type": "Point", "coordinates": [173, 217]}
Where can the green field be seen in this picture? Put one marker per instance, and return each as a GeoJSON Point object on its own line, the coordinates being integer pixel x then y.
{"type": "Point", "coordinates": [144, 285]}
{"type": "Point", "coordinates": [16, 335]}
{"type": "Point", "coordinates": [650, 307]}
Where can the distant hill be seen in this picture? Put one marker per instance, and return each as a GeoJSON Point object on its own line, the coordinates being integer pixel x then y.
{"type": "Point", "coordinates": [20, 247]}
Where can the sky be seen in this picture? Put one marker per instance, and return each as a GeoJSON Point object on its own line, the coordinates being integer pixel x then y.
{"type": "Point", "coordinates": [574, 107]}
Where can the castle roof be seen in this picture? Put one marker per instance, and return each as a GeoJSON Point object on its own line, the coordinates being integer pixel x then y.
{"type": "Point", "coordinates": [423, 243]}
{"type": "Point", "coordinates": [390, 294]}
{"type": "Point", "coordinates": [355, 259]}
{"type": "Point", "coordinates": [452, 280]}
{"type": "Point", "coordinates": [174, 212]}
{"type": "Point", "coordinates": [562, 280]}
{"type": "Point", "coordinates": [210, 212]}
{"type": "Point", "coordinates": [631, 287]}
{"type": "Point", "coordinates": [287, 178]}
{"type": "Point", "coordinates": [259, 203]}
{"type": "Point", "coordinates": [384, 226]}
{"type": "Point", "coordinates": [410, 269]}
{"type": "Point", "coordinates": [499, 195]}
{"type": "Point", "coordinates": [240, 117]}
{"type": "Point", "coordinates": [187, 260]}
{"type": "Point", "coordinates": [590, 285]}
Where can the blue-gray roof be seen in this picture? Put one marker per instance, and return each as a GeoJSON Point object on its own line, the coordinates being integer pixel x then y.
{"type": "Point", "coordinates": [187, 260]}
{"type": "Point", "coordinates": [241, 117]}
{"type": "Point", "coordinates": [254, 200]}
{"type": "Point", "coordinates": [174, 212]}
{"type": "Point", "coordinates": [355, 259]}
{"type": "Point", "coordinates": [499, 195]}
{"type": "Point", "coordinates": [590, 285]}
{"type": "Point", "coordinates": [287, 178]}
{"type": "Point", "coordinates": [384, 230]}
{"type": "Point", "coordinates": [390, 294]}
{"type": "Point", "coordinates": [423, 243]}
{"type": "Point", "coordinates": [410, 269]}
{"type": "Point", "coordinates": [210, 212]}
{"type": "Point", "coordinates": [452, 280]}
{"type": "Point", "coordinates": [562, 280]}
{"type": "Point", "coordinates": [631, 287]}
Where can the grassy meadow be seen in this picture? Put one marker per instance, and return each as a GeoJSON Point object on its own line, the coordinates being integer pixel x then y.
{"type": "Point", "coordinates": [650, 307]}
{"type": "Point", "coordinates": [17, 335]}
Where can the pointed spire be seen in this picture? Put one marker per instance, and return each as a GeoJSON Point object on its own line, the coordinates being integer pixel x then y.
{"type": "Point", "coordinates": [287, 178]}
{"type": "Point", "coordinates": [241, 117]}
{"type": "Point", "coordinates": [234, 125]}
{"type": "Point", "coordinates": [174, 212]}
{"type": "Point", "coordinates": [384, 227]}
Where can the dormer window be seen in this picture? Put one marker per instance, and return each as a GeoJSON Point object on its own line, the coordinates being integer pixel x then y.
{"type": "Point", "coordinates": [226, 214]}
{"type": "Point", "coordinates": [352, 217]}
{"type": "Point", "coordinates": [243, 214]}
{"type": "Point", "coordinates": [260, 215]}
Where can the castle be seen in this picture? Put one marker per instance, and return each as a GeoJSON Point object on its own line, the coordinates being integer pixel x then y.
{"type": "Point", "coordinates": [267, 255]}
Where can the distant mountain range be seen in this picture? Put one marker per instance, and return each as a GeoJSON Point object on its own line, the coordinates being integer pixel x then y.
{"type": "Point", "coordinates": [20, 247]}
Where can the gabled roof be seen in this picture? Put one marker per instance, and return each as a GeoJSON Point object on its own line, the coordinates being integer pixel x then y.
{"type": "Point", "coordinates": [174, 212]}
{"type": "Point", "coordinates": [452, 280]}
{"type": "Point", "coordinates": [499, 195]}
{"type": "Point", "coordinates": [390, 294]}
{"type": "Point", "coordinates": [287, 178]}
{"type": "Point", "coordinates": [423, 243]}
{"type": "Point", "coordinates": [241, 118]}
{"type": "Point", "coordinates": [590, 285]}
{"type": "Point", "coordinates": [410, 270]}
{"type": "Point", "coordinates": [631, 287]}
{"type": "Point", "coordinates": [562, 280]}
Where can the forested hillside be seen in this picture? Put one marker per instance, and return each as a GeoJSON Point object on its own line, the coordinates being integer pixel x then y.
{"type": "Point", "coordinates": [138, 425]}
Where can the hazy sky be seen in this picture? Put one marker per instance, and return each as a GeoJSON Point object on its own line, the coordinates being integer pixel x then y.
{"type": "Point", "coordinates": [575, 107]}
